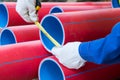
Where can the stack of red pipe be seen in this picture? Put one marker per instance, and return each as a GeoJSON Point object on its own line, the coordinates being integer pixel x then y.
{"type": "Point", "coordinates": [20, 61]}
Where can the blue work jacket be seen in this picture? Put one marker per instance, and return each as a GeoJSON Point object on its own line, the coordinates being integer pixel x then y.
{"type": "Point", "coordinates": [103, 51]}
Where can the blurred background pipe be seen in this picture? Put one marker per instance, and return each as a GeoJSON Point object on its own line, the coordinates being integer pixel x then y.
{"type": "Point", "coordinates": [18, 34]}
{"type": "Point", "coordinates": [21, 61]}
{"type": "Point", "coordinates": [51, 69]}
{"type": "Point", "coordinates": [59, 9]}
{"type": "Point", "coordinates": [78, 26]}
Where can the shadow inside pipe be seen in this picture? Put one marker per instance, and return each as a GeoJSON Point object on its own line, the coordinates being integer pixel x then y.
{"type": "Point", "coordinates": [54, 27]}
{"type": "Point", "coordinates": [56, 9]}
{"type": "Point", "coordinates": [50, 70]}
{"type": "Point", "coordinates": [7, 37]}
{"type": "Point", "coordinates": [3, 16]}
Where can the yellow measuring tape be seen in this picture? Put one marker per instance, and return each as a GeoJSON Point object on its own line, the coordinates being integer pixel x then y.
{"type": "Point", "coordinates": [48, 36]}
{"type": "Point", "coordinates": [119, 2]}
{"type": "Point", "coordinates": [42, 29]}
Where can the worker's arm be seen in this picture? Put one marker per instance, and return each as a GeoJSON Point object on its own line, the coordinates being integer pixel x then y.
{"type": "Point", "coordinates": [106, 50]}
{"type": "Point", "coordinates": [27, 10]}
{"type": "Point", "coordinates": [103, 51]}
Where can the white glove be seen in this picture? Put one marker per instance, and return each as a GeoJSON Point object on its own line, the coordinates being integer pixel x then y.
{"type": "Point", "coordinates": [26, 9]}
{"type": "Point", "coordinates": [68, 55]}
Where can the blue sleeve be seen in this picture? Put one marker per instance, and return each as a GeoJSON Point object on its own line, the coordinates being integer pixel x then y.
{"type": "Point", "coordinates": [103, 51]}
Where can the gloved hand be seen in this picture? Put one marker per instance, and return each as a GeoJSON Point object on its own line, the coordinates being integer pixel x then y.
{"type": "Point", "coordinates": [26, 9]}
{"type": "Point", "coordinates": [68, 55]}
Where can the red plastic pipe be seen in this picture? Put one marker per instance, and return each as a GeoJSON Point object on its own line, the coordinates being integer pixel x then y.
{"type": "Point", "coordinates": [79, 26]}
{"type": "Point", "coordinates": [51, 69]}
{"type": "Point", "coordinates": [58, 9]}
{"type": "Point", "coordinates": [51, 4]}
{"type": "Point", "coordinates": [21, 61]}
{"type": "Point", "coordinates": [19, 34]}
{"type": "Point", "coordinates": [46, 6]}
{"type": "Point", "coordinates": [13, 19]}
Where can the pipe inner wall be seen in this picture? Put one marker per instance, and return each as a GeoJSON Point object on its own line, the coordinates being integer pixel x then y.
{"type": "Point", "coordinates": [56, 9]}
{"type": "Point", "coordinates": [115, 3]}
{"type": "Point", "coordinates": [3, 16]}
{"type": "Point", "coordinates": [51, 21]}
{"type": "Point", "coordinates": [7, 37]}
{"type": "Point", "coordinates": [50, 70]}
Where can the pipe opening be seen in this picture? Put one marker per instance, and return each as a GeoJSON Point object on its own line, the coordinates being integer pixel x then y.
{"type": "Point", "coordinates": [115, 3]}
{"type": "Point", "coordinates": [54, 27]}
{"type": "Point", "coordinates": [56, 9]}
{"type": "Point", "coordinates": [3, 16]}
{"type": "Point", "coordinates": [7, 37]}
{"type": "Point", "coordinates": [50, 70]}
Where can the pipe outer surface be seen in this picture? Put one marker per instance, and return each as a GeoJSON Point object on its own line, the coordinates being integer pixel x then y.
{"type": "Point", "coordinates": [21, 61]}
{"type": "Point", "coordinates": [59, 9]}
{"type": "Point", "coordinates": [51, 69]}
{"type": "Point", "coordinates": [18, 34]}
{"type": "Point", "coordinates": [11, 17]}
{"type": "Point", "coordinates": [78, 26]}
